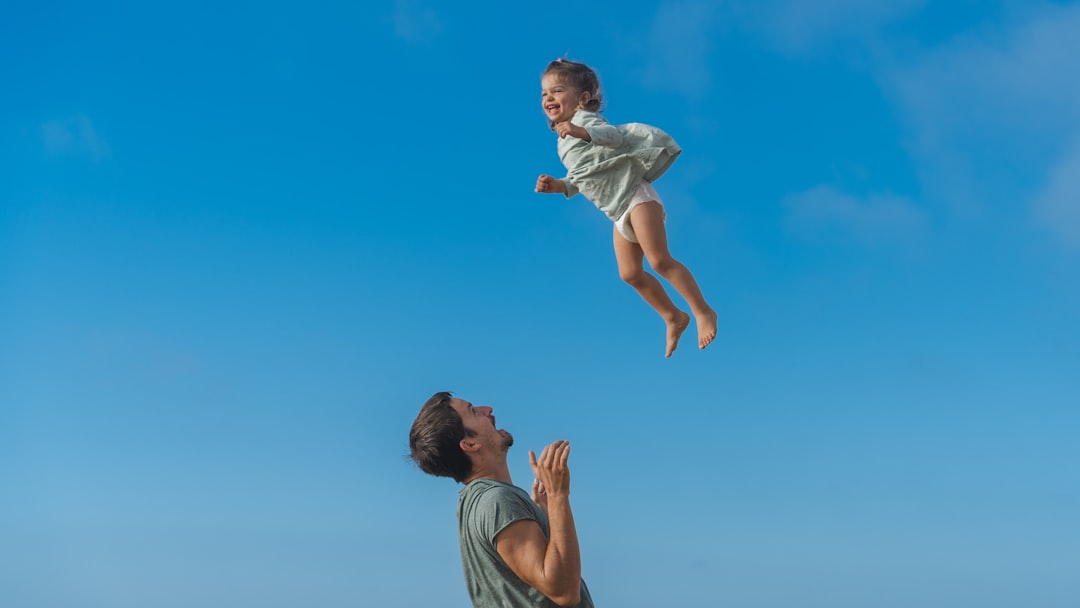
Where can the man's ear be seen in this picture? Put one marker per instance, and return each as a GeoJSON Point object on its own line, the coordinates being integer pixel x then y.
{"type": "Point", "coordinates": [469, 444]}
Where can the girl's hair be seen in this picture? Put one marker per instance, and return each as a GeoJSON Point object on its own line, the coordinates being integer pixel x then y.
{"type": "Point", "coordinates": [579, 76]}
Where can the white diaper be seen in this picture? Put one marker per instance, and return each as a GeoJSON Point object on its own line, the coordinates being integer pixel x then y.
{"type": "Point", "coordinates": [644, 193]}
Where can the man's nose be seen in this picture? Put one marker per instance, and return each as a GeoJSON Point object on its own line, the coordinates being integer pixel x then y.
{"type": "Point", "coordinates": [486, 409]}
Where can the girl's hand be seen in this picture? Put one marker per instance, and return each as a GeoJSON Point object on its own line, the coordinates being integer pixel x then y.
{"type": "Point", "coordinates": [569, 128]}
{"type": "Point", "coordinates": [548, 184]}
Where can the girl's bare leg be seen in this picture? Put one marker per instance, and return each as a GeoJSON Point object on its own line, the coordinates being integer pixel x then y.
{"type": "Point", "coordinates": [647, 220]}
{"type": "Point", "coordinates": [632, 270]}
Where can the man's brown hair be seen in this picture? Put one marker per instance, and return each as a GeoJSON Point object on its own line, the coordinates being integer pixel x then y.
{"type": "Point", "coordinates": [435, 440]}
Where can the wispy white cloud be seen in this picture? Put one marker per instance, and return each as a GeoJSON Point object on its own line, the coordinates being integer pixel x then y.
{"type": "Point", "coordinates": [683, 33]}
{"type": "Point", "coordinates": [1015, 79]}
{"type": "Point", "coordinates": [74, 135]}
{"type": "Point", "coordinates": [797, 26]}
{"type": "Point", "coordinates": [996, 112]}
{"type": "Point", "coordinates": [824, 211]}
{"type": "Point", "coordinates": [415, 22]}
{"type": "Point", "coordinates": [992, 115]}
{"type": "Point", "coordinates": [1058, 205]}
{"type": "Point", "coordinates": [679, 46]}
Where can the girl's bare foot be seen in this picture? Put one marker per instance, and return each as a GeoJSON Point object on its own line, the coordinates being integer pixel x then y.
{"type": "Point", "coordinates": [706, 328]}
{"type": "Point", "coordinates": [675, 328]}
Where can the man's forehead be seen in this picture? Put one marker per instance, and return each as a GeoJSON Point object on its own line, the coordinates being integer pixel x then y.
{"type": "Point", "coordinates": [460, 405]}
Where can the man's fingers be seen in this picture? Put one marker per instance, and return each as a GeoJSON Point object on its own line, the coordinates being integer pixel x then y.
{"type": "Point", "coordinates": [545, 456]}
{"type": "Point", "coordinates": [552, 460]}
{"type": "Point", "coordinates": [551, 454]}
{"type": "Point", "coordinates": [564, 454]}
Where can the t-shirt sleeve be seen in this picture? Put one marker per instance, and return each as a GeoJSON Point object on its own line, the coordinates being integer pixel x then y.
{"type": "Point", "coordinates": [498, 508]}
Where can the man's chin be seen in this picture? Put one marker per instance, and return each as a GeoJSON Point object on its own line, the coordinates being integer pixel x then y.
{"type": "Point", "coordinates": [507, 437]}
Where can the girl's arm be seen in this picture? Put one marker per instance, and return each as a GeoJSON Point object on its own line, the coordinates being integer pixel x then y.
{"type": "Point", "coordinates": [548, 184]}
{"type": "Point", "coordinates": [599, 131]}
{"type": "Point", "coordinates": [593, 129]}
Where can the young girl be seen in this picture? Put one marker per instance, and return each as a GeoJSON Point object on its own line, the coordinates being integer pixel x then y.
{"type": "Point", "coordinates": [613, 166]}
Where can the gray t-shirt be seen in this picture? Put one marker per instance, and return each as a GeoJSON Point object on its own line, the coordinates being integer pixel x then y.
{"type": "Point", "coordinates": [485, 508]}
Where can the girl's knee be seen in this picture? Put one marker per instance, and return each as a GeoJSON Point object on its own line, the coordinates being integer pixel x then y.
{"type": "Point", "coordinates": [633, 276]}
{"type": "Point", "coordinates": [663, 264]}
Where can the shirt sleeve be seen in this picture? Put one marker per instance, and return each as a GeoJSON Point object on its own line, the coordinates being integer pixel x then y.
{"type": "Point", "coordinates": [571, 189]}
{"type": "Point", "coordinates": [500, 507]}
{"type": "Point", "coordinates": [601, 133]}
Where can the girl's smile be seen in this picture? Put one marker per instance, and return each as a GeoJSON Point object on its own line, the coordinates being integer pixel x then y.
{"type": "Point", "coordinates": [559, 100]}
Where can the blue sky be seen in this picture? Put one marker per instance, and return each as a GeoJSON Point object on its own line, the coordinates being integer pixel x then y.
{"type": "Point", "coordinates": [240, 244]}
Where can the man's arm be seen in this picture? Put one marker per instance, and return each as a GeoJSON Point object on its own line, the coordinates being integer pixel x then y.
{"type": "Point", "coordinates": [551, 566]}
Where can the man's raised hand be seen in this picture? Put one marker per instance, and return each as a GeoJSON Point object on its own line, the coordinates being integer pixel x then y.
{"type": "Point", "coordinates": [551, 470]}
{"type": "Point", "coordinates": [539, 494]}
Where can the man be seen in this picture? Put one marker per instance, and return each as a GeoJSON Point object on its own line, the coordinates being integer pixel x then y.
{"type": "Point", "coordinates": [517, 550]}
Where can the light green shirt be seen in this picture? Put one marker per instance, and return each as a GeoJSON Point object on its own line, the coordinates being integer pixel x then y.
{"type": "Point", "coordinates": [485, 508]}
{"type": "Point", "coordinates": [608, 169]}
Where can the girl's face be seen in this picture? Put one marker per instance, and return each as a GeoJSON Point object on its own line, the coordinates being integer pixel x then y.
{"type": "Point", "coordinates": [559, 100]}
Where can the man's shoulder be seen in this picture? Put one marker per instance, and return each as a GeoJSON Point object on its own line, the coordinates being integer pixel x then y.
{"type": "Point", "coordinates": [490, 496]}
{"type": "Point", "coordinates": [487, 507]}
{"type": "Point", "coordinates": [489, 489]}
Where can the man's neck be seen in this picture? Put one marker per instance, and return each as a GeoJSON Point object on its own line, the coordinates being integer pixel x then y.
{"type": "Point", "coordinates": [497, 470]}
